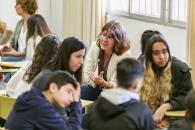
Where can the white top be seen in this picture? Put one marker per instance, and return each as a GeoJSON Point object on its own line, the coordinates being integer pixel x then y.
{"type": "Point", "coordinates": [119, 95]}
{"type": "Point", "coordinates": [17, 85]}
{"type": "Point", "coordinates": [22, 40]}
{"type": "Point", "coordinates": [91, 65]}
{"type": "Point", "coordinates": [30, 50]}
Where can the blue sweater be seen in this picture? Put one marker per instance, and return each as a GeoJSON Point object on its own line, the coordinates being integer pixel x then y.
{"type": "Point", "coordinates": [33, 111]}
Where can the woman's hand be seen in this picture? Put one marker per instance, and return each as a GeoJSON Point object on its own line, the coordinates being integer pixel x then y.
{"type": "Point", "coordinates": [5, 48]}
{"type": "Point", "coordinates": [160, 112]}
{"type": "Point", "coordinates": [162, 124]}
{"type": "Point", "coordinates": [12, 52]}
{"type": "Point", "coordinates": [9, 51]}
{"type": "Point", "coordinates": [99, 79]}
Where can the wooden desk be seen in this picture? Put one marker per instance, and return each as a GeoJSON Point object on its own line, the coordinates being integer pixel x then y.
{"type": "Point", "coordinates": [172, 116]}
{"type": "Point", "coordinates": [12, 64]}
{"type": "Point", "coordinates": [175, 114]}
{"type": "Point", "coordinates": [86, 104]}
{"type": "Point", "coordinates": [4, 71]}
{"type": "Point", "coordinates": [8, 71]}
{"type": "Point", "coordinates": [6, 105]}
{"type": "Point", "coordinates": [3, 128]}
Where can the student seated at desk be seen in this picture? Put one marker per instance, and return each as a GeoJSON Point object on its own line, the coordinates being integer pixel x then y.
{"type": "Point", "coordinates": [119, 108]}
{"type": "Point", "coordinates": [37, 28]}
{"type": "Point", "coordinates": [166, 81]}
{"type": "Point", "coordinates": [14, 50]}
{"type": "Point", "coordinates": [34, 109]}
{"type": "Point", "coordinates": [189, 122]}
{"type": "Point", "coordinates": [21, 80]}
{"type": "Point", "coordinates": [69, 57]}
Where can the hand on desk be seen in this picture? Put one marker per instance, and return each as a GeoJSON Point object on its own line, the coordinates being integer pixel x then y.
{"type": "Point", "coordinates": [159, 114]}
{"type": "Point", "coordinates": [5, 48]}
{"type": "Point", "coordinates": [8, 52]}
{"type": "Point", "coordinates": [162, 124]}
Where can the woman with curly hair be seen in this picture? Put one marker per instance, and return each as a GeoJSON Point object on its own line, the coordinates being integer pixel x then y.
{"type": "Point", "coordinates": [21, 81]}
{"type": "Point", "coordinates": [166, 81]}
{"type": "Point", "coordinates": [100, 66]}
{"type": "Point", "coordinates": [14, 50]}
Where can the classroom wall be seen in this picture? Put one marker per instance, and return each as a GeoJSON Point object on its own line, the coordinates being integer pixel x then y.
{"type": "Point", "coordinates": [8, 13]}
{"type": "Point", "coordinates": [51, 10]}
{"type": "Point", "coordinates": [56, 17]}
{"type": "Point", "coordinates": [176, 37]}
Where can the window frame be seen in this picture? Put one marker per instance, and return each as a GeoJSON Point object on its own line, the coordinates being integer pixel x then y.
{"type": "Point", "coordinates": [165, 16]}
{"type": "Point", "coordinates": [175, 23]}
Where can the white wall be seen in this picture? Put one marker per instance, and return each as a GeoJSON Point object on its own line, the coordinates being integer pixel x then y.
{"type": "Point", "coordinates": [51, 10]}
{"type": "Point", "coordinates": [56, 19]}
{"type": "Point", "coordinates": [8, 13]}
{"type": "Point", "coordinates": [176, 37]}
{"type": "Point", "coordinates": [44, 9]}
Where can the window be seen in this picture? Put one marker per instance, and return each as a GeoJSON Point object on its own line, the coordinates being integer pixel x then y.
{"type": "Point", "coordinates": [146, 7]}
{"type": "Point", "coordinates": [122, 7]}
{"type": "Point", "coordinates": [178, 10]}
{"type": "Point", "coordinates": [168, 12]}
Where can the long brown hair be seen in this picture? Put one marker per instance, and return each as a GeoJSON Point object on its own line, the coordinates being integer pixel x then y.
{"type": "Point", "coordinates": [62, 57]}
{"type": "Point", "coordinates": [44, 51]}
{"type": "Point", "coordinates": [157, 81]}
{"type": "Point", "coordinates": [122, 44]}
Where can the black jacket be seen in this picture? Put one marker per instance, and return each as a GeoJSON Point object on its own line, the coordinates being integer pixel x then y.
{"type": "Point", "coordinates": [131, 115]}
{"type": "Point", "coordinates": [182, 83]}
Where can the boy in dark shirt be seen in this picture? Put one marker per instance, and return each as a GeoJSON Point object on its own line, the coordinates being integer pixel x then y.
{"type": "Point", "coordinates": [35, 109]}
{"type": "Point", "coordinates": [119, 108]}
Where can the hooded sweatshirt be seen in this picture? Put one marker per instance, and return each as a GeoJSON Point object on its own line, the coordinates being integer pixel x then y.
{"type": "Point", "coordinates": [33, 111]}
{"type": "Point", "coordinates": [118, 109]}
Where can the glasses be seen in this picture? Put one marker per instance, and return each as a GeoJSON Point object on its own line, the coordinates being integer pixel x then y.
{"type": "Point", "coordinates": [158, 53]}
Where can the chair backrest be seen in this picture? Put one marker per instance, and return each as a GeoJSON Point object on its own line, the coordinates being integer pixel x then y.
{"type": "Point", "coordinates": [6, 36]}
{"type": "Point", "coordinates": [2, 27]}
{"type": "Point", "coordinates": [6, 105]}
